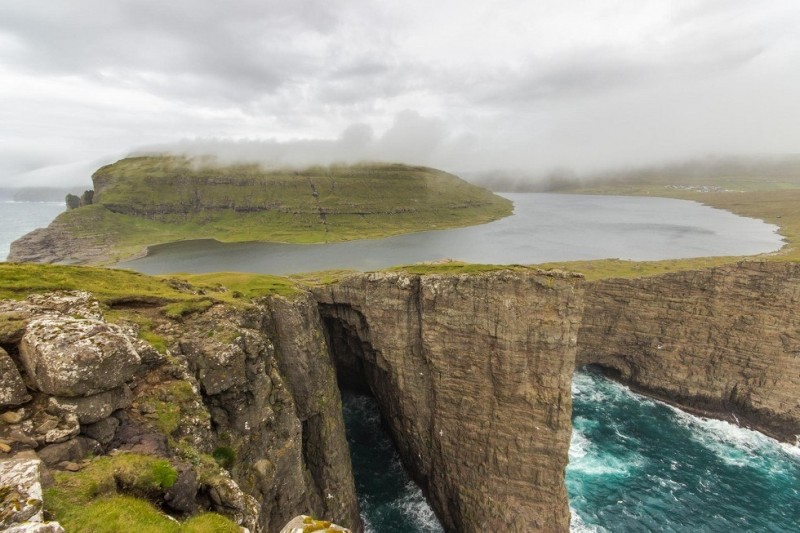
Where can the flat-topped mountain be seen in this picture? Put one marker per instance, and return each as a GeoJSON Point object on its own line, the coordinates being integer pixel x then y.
{"type": "Point", "coordinates": [141, 201]}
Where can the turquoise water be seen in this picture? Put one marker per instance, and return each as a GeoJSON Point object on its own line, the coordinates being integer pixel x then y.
{"type": "Point", "coordinates": [389, 500]}
{"type": "Point", "coordinates": [640, 465]}
{"type": "Point", "coordinates": [635, 465]}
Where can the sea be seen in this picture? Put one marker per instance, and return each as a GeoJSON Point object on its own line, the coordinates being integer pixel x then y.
{"type": "Point", "coordinates": [636, 464]}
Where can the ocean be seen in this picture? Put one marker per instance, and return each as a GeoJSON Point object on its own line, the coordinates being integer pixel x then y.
{"type": "Point", "coordinates": [18, 218]}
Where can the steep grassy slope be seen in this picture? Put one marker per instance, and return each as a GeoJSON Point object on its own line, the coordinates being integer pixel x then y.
{"type": "Point", "coordinates": [142, 201]}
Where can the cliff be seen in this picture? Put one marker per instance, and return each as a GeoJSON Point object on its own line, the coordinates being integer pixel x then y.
{"type": "Point", "coordinates": [473, 375]}
{"type": "Point", "coordinates": [236, 410]}
{"type": "Point", "coordinates": [142, 201]}
{"type": "Point", "coordinates": [723, 340]}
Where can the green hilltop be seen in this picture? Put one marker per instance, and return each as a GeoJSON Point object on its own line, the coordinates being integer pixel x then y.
{"type": "Point", "coordinates": [143, 201]}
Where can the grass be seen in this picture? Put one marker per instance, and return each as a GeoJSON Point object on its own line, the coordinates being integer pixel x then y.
{"type": "Point", "coordinates": [194, 292]}
{"type": "Point", "coordinates": [144, 201]}
{"type": "Point", "coordinates": [169, 402]}
{"type": "Point", "coordinates": [457, 267]}
{"type": "Point", "coordinates": [134, 474]}
{"type": "Point", "coordinates": [125, 513]}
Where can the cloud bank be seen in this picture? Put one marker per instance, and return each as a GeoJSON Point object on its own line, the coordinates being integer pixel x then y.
{"type": "Point", "coordinates": [467, 86]}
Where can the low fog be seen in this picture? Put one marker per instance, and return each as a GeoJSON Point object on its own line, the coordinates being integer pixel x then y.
{"type": "Point", "coordinates": [528, 93]}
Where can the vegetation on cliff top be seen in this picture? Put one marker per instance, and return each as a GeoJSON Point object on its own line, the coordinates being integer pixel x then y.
{"type": "Point", "coordinates": [142, 201]}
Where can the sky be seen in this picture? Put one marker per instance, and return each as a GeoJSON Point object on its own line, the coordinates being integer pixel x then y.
{"type": "Point", "coordinates": [583, 85]}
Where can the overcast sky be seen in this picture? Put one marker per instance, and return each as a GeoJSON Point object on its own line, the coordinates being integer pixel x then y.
{"type": "Point", "coordinates": [457, 84]}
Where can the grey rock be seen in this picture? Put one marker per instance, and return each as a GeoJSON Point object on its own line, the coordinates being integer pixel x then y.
{"type": "Point", "coordinates": [74, 451]}
{"type": "Point", "coordinates": [22, 501]}
{"type": "Point", "coordinates": [102, 431]}
{"type": "Point", "coordinates": [91, 409]}
{"type": "Point", "coordinates": [67, 427]}
{"type": "Point", "coordinates": [12, 388]}
{"type": "Point", "coordinates": [69, 357]}
{"type": "Point", "coordinates": [181, 496]}
{"type": "Point", "coordinates": [299, 524]}
{"type": "Point", "coordinates": [36, 527]}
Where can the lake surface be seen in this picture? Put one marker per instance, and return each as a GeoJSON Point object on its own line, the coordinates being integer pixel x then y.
{"type": "Point", "coordinates": [544, 227]}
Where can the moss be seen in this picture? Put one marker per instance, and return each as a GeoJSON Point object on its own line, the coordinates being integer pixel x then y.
{"type": "Point", "coordinates": [186, 307]}
{"type": "Point", "coordinates": [224, 456]}
{"type": "Point", "coordinates": [169, 402]}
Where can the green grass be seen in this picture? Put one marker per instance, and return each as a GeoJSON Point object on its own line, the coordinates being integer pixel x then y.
{"type": "Point", "coordinates": [130, 473]}
{"type": "Point", "coordinates": [145, 201]}
{"type": "Point", "coordinates": [125, 513]}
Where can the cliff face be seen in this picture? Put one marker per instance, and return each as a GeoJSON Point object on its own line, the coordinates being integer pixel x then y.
{"type": "Point", "coordinates": [724, 339]}
{"type": "Point", "coordinates": [473, 376]}
{"type": "Point", "coordinates": [244, 407]}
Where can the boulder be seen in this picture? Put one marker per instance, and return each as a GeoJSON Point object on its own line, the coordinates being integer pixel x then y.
{"type": "Point", "coordinates": [303, 524]}
{"type": "Point", "coordinates": [73, 451]}
{"type": "Point", "coordinates": [12, 388]}
{"type": "Point", "coordinates": [91, 409]}
{"type": "Point", "coordinates": [102, 431]}
{"type": "Point", "coordinates": [70, 357]}
{"type": "Point", "coordinates": [13, 319]}
{"type": "Point", "coordinates": [181, 495]}
{"type": "Point", "coordinates": [20, 492]}
{"type": "Point", "coordinates": [36, 527]}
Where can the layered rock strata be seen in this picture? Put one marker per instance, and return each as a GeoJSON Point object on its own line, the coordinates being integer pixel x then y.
{"type": "Point", "coordinates": [473, 376]}
{"type": "Point", "coordinates": [724, 340]}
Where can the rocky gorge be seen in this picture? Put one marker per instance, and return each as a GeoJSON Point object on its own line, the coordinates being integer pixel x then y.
{"type": "Point", "coordinates": [239, 402]}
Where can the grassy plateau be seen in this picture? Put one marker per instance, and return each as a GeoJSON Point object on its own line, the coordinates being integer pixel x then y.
{"type": "Point", "coordinates": [142, 201]}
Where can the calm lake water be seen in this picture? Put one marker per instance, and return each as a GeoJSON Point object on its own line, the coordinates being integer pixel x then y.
{"type": "Point", "coordinates": [544, 227]}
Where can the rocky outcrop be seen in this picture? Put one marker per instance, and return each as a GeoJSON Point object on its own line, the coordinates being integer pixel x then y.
{"type": "Point", "coordinates": [473, 376]}
{"type": "Point", "coordinates": [307, 524]}
{"type": "Point", "coordinates": [21, 498]}
{"type": "Point", "coordinates": [251, 387]}
{"type": "Point", "coordinates": [57, 243]}
{"type": "Point", "coordinates": [724, 340]}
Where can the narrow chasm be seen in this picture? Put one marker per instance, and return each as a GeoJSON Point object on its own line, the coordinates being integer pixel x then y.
{"type": "Point", "coordinates": [388, 497]}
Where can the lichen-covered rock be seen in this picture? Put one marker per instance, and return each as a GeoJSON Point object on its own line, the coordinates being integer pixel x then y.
{"type": "Point", "coordinates": [307, 524]}
{"type": "Point", "coordinates": [69, 357]}
{"type": "Point", "coordinates": [102, 431]}
{"type": "Point", "coordinates": [229, 500]}
{"type": "Point", "coordinates": [90, 409]}
{"type": "Point", "coordinates": [20, 492]}
{"type": "Point", "coordinates": [12, 388]}
{"type": "Point", "coordinates": [36, 527]}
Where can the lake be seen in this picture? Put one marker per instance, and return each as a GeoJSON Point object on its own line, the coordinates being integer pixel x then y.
{"type": "Point", "coordinates": [543, 228]}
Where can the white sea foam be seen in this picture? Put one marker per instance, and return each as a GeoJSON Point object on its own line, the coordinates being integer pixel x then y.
{"type": "Point", "coordinates": [414, 506]}
{"type": "Point", "coordinates": [577, 525]}
{"type": "Point", "coordinates": [578, 445]}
